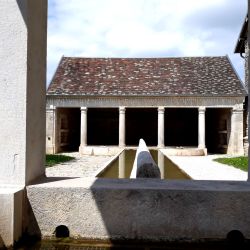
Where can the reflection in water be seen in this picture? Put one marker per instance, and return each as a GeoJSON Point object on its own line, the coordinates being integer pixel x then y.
{"type": "Point", "coordinates": [122, 166]}
{"type": "Point", "coordinates": [161, 163]}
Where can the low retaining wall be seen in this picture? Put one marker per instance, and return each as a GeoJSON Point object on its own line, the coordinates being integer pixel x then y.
{"type": "Point", "coordinates": [142, 209]}
{"type": "Point", "coordinates": [185, 151]}
{"type": "Point", "coordinates": [99, 150]}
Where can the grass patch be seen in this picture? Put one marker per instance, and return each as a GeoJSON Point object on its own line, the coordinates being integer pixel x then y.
{"type": "Point", "coordinates": [52, 160]}
{"type": "Point", "coordinates": [237, 162]}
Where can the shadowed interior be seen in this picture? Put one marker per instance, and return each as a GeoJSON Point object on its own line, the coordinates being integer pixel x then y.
{"type": "Point", "coordinates": [181, 127]}
{"type": "Point", "coordinates": [141, 123]}
{"type": "Point", "coordinates": [103, 126]}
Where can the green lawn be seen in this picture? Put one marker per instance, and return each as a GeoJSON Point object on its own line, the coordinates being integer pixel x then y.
{"type": "Point", "coordinates": [237, 162]}
{"type": "Point", "coordinates": [51, 160]}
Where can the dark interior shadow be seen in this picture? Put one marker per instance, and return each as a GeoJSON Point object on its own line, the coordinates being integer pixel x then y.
{"type": "Point", "coordinates": [31, 231]}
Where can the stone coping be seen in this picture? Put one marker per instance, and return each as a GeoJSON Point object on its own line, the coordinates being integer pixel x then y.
{"type": "Point", "coordinates": [150, 184]}
{"type": "Point", "coordinates": [10, 189]}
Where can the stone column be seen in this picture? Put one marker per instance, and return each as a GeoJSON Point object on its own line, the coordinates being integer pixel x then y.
{"type": "Point", "coordinates": [161, 128]}
{"type": "Point", "coordinates": [122, 126]}
{"type": "Point", "coordinates": [51, 143]}
{"type": "Point", "coordinates": [235, 144]}
{"type": "Point", "coordinates": [201, 133]}
{"type": "Point", "coordinates": [83, 127]}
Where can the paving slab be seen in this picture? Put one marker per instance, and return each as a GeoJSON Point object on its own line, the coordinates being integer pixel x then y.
{"type": "Point", "coordinates": [204, 168]}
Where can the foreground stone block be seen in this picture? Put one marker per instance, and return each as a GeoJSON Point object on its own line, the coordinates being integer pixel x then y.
{"type": "Point", "coordinates": [141, 209]}
{"type": "Point", "coordinates": [11, 203]}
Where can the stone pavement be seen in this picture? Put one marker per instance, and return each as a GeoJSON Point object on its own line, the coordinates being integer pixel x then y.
{"type": "Point", "coordinates": [81, 166]}
{"type": "Point", "coordinates": [204, 168]}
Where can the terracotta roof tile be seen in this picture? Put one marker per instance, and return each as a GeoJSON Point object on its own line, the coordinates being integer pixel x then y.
{"type": "Point", "coordinates": [195, 76]}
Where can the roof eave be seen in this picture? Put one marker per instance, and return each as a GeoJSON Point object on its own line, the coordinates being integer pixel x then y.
{"type": "Point", "coordinates": [240, 45]}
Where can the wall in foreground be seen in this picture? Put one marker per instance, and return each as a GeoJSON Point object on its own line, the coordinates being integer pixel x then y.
{"type": "Point", "coordinates": [142, 209]}
{"type": "Point", "coordinates": [10, 215]}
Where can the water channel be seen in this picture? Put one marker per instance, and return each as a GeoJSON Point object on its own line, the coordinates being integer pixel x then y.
{"type": "Point", "coordinates": [122, 166]}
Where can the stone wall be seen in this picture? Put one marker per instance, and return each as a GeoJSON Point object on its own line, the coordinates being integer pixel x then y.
{"type": "Point", "coordinates": [143, 209]}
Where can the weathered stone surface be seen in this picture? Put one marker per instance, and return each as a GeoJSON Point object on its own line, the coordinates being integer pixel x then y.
{"type": "Point", "coordinates": [142, 208]}
{"type": "Point", "coordinates": [11, 200]}
{"type": "Point", "coordinates": [22, 94]}
{"type": "Point", "coordinates": [235, 142]}
{"type": "Point", "coordinates": [144, 165]}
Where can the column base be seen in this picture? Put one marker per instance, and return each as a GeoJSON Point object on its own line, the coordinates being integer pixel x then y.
{"type": "Point", "coordinates": [204, 149]}
{"type": "Point", "coordinates": [85, 150]}
{"type": "Point", "coordinates": [50, 149]}
{"type": "Point", "coordinates": [233, 152]}
{"type": "Point", "coordinates": [161, 146]}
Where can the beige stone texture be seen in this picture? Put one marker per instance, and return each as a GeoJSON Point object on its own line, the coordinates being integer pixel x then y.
{"type": "Point", "coordinates": [22, 97]}
{"type": "Point", "coordinates": [141, 209]}
{"type": "Point", "coordinates": [11, 200]}
{"type": "Point", "coordinates": [235, 144]}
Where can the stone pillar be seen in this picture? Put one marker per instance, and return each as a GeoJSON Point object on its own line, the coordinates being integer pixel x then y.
{"type": "Point", "coordinates": [161, 127]}
{"type": "Point", "coordinates": [23, 88]}
{"type": "Point", "coordinates": [246, 64]}
{"type": "Point", "coordinates": [201, 133]}
{"type": "Point", "coordinates": [83, 127]}
{"type": "Point", "coordinates": [235, 144]}
{"type": "Point", "coordinates": [51, 121]}
{"type": "Point", "coordinates": [122, 126]}
{"type": "Point", "coordinates": [23, 38]}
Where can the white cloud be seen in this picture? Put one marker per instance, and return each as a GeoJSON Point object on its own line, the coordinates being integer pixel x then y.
{"type": "Point", "coordinates": [143, 28]}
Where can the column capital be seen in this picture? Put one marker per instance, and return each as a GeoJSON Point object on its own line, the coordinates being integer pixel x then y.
{"type": "Point", "coordinates": [202, 109]}
{"type": "Point", "coordinates": [84, 109]}
{"type": "Point", "coordinates": [161, 109]}
{"type": "Point", "coordinates": [237, 110]}
{"type": "Point", "coordinates": [51, 108]}
{"type": "Point", "coordinates": [122, 109]}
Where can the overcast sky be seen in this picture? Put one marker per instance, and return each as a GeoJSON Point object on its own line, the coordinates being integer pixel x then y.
{"type": "Point", "coordinates": [144, 28]}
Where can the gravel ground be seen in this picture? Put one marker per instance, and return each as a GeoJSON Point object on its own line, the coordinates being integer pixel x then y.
{"type": "Point", "coordinates": [81, 166]}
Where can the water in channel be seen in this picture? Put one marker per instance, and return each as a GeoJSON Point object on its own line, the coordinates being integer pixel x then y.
{"type": "Point", "coordinates": [122, 166]}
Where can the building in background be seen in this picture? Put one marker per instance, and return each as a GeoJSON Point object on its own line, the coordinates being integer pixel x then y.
{"type": "Point", "coordinates": [177, 103]}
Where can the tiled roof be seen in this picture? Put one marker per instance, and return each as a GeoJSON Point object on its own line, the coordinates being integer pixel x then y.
{"type": "Point", "coordinates": [186, 76]}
